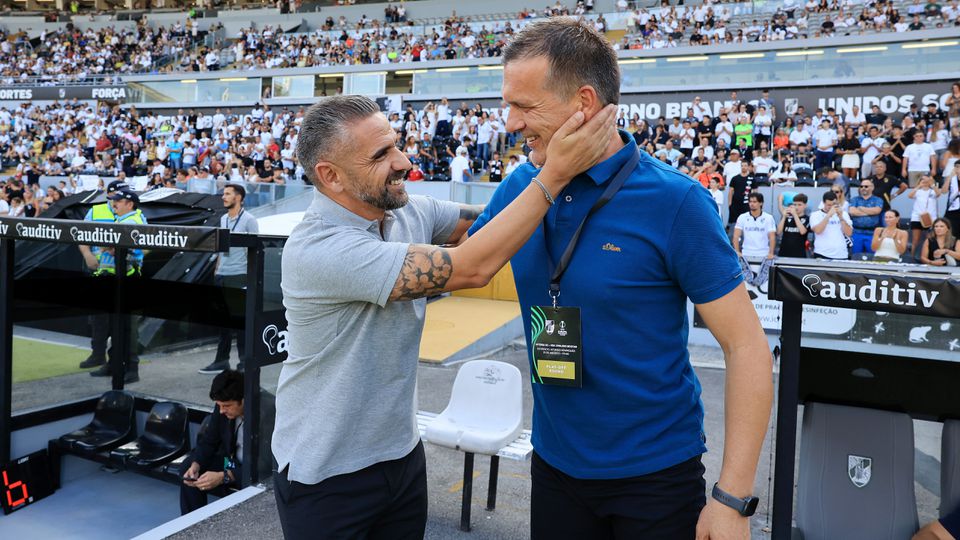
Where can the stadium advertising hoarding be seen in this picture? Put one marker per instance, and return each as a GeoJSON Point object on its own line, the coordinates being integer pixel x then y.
{"type": "Point", "coordinates": [877, 309]}
{"type": "Point", "coordinates": [893, 99]}
{"type": "Point", "coordinates": [162, 237]}
{"type": "Point", "coordinates": [26, 93]}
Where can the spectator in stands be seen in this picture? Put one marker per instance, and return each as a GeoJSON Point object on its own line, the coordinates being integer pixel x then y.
{"type": "Point", "coordinates": [849, 149]}
{"type": "Point", "coordinates": [825, 140]}
{"type": "Point", "coordinates": [758, 232]}
{"type": "Point", "coordinates": [739, 189]}
{"type": "Point", "coordinates": [889, 241]}
{"type": "Point", "coordinates": [919, 159]}
{"type": "Point", "coordinates": [924, 212]}
{"type": "Point", "coordinates": [865, 212]}
{"type": "Point", "coordinates": [941, 248]}
{"type": "Point", "coordinates": [460, 170]}
{"type": "Point", "coordinates": [831, 225]}
{"type": "Point", "coordinates": [231, 273]}
{"type": "Point", "coordinates": [215, 466]}
{"type": "Point", "coordinates": [794, 226]}
{"type": "Point", "coordinates": [884, 184]}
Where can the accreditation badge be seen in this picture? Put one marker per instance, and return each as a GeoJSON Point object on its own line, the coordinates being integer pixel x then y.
{"type": "Point", "coordinates": [557, 347]}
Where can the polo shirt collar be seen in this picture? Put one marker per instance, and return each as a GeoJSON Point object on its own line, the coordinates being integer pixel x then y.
{"type": "Point", "coordinates": [604, 171]}
{"type": "Point", "coordinates": [338, 215]}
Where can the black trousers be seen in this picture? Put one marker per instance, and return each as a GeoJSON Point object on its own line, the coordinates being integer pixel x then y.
{"type": "Point", "coordinates": [662, 505]}
{"type": "Point", "coordinates": [101, 327]}
{"type": "Point", "coordinates": [192, 498]}
{"type": "Point", "coordinates": [385, 501]}
{"type": "Point", "coordinates": [236, 313]}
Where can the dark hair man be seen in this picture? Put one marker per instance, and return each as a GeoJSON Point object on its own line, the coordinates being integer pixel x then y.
{"type": "Point", "coordinates": [231, 273]}
{"type": "Point", "coordinates": [216, 464]}
{"type": "Point", "coordinates": [355, 276]}
{"type": "Point", "coordinates": [618, 437]}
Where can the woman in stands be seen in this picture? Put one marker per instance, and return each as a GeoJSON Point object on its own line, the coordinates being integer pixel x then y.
{"type": "Point", "coordinates": [924, 197]}
{"type": "Point", "coordinates": [938, 137]}
{"type": "Point", "coordinates": [890, 241]}
{"type": "Point", "coordinates": [941, 247]}
{"type": "Point", "coordinates": [849, 148]}
{"type": "Point", "coordinates": [412, 149]}
{"type": "Point", "coordinates": [953, 105]}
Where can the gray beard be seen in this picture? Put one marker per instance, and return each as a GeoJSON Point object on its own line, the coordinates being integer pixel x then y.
{"type": "Point", "coordinates": [384, 200]}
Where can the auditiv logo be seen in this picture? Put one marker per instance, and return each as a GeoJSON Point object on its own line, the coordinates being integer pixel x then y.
{"type": "Point", "coordinates": [159, 239]}
{"type": "Point", "coordinates": [873, 292]}
{"type": "Point", "coordinates": [94, 236]}
{"type": "Point", "coordinates": [41, 231]}
{"type": "Point", "coordinates": [274, 339]}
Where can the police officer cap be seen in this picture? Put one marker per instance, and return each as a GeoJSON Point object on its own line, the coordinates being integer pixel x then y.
{"type": "Point", "coordinates": [117, 185]}
{"type": "Point", "coordinates": [125, 194]}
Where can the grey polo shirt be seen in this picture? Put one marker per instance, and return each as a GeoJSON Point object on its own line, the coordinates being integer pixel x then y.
{"type": "Point", "coordinates": [234, 263]}
{"type": "Point", "coordinates": [347, 393]}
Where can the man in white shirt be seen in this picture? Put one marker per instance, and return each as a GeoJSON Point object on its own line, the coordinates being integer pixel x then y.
{"type": "Point", "coordinates": [758, 231]}
{"type": "Point", "coordinates": [919, 159]}
{"type": "Point", "coordinates": [831, 225]}
{"type": "Point", "coordinates": [460, 166]}
{"type": "Point", "coordinates": [763, 163]}
{"type": "Point", "coordinates": [724, 129]}
{"type": "Point", "coordinates": [854, 118]}
{"type": "Point", "coordinates": [826, 139]}
{"type": "Point", "coordinates": [799, 136]}
{"type": "Point", "coordinates": [870, 147]}
{"type": "Point", "coordinates": [733, 167]}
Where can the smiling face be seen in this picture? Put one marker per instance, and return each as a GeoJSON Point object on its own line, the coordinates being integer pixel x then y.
{"type": "Point", "coordinates": [536, 111]}
{"type": "Point", "coordinates": [372, 173]}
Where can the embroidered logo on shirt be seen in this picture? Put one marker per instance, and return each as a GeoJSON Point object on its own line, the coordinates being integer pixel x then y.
{"type": "Point", "coordinates": [610, 247]}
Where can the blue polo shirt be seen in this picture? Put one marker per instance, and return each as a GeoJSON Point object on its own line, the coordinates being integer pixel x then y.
{"type": "Point", "coordinates": [656, 243]}
{"type": "Point", "coordinates": [867, 223]}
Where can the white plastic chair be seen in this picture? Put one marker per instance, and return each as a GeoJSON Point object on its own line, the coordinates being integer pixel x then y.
{"type": "Point", "coordinates": [484, 414]}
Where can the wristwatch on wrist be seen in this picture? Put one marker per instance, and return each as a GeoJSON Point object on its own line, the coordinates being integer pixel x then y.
{"type": "Point", "coordinates": [745, 506]}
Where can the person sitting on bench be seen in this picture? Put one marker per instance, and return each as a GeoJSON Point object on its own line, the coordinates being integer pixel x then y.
{"type": "Point", "coordinates": [216, 464]}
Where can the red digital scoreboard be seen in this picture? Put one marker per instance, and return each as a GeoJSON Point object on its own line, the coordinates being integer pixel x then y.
{"type": "Point", "coordinates": [25, 481]}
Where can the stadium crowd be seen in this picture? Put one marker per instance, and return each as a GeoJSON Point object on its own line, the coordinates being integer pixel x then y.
{"type": "Point", "coordinates": [72, 55]}
{"type": "Point", "coordinates": [709, 24]}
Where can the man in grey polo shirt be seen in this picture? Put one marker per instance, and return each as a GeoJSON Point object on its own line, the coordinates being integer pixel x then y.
{"type": "Point", "coordinates": [231, 273]}
{"type": "Point", "coordinates": [355, 275]}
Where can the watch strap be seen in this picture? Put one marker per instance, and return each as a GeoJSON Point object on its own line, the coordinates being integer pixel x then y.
{"type": "Point", "coordinates": [742, 506]}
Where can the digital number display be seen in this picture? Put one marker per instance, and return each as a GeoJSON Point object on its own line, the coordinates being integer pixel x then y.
{"type": "Point", "coordinates": [25, 481]}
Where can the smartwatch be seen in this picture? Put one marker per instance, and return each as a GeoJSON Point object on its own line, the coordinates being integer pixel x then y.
{"type": "Point", "coordinates": [745, 506]}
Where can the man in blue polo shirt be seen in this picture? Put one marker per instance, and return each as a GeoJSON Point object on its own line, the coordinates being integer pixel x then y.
{"type": "Point", "coordinates": [865, 212]}
{"type": "Point", "coordinates": [618, 421]}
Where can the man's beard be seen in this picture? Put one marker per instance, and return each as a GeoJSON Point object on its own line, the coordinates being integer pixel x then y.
{"type": "Point", "coordinates": [384, 199]}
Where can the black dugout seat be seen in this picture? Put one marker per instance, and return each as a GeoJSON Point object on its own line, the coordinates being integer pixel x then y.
{"type": "Point", "coordinates": [166, 437]}
{"type": "Point", "coordinates": [174, 466]}
{"type": "Point", "coordinates": [114, 423]}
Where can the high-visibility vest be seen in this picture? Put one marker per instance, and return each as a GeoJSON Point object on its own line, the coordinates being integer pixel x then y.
{"type": "Point", "coordinates": [107, 262]}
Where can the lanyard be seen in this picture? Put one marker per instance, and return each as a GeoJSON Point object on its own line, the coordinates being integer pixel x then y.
{"type": "Point", "coordinates": [613, 187]}
{"type": "Point", "coordinates": [235, 223]}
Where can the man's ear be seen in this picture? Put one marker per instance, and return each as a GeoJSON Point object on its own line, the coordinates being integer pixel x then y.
{"type": "Point", "coordinates": [329, 176]}
{"type": "Point", "coordinates": [589, 102]}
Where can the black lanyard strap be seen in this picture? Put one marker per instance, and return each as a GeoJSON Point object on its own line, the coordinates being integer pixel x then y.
{"type": "Point", "coordinates": [235, 223]}
{"type": "Point", "coordinates": [612, 188]}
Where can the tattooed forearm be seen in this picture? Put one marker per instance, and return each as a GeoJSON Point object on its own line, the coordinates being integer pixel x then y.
{"type": "Point", "coordinates": [425, 271]}
{"type": "Point", "coordinates": [470, 212]}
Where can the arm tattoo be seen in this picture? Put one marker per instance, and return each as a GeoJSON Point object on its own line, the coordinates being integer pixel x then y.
{"type": "Point", "coordinates": [425, 271]}
{"type": "Point", "coordinates": [470, 212]}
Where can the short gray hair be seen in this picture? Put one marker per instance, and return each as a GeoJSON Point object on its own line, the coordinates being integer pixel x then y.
{"type": "Point", "coordinates": [323, 127]}
{"type": "Point", "coordinates": [577, 53]}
